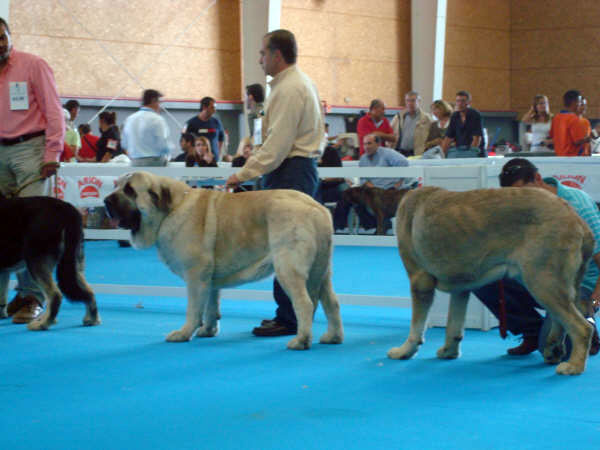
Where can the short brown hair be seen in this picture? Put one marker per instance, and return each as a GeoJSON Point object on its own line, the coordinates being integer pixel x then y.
{"type": "Point", "coordinates": [285, 42]}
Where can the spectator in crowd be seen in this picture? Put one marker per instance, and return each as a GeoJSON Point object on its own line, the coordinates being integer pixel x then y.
{"type": "Point", "coordinates": [207, 125]}
{"type": "Point", "coordinates": [32, 130]}
{"type": "Point", "coordinates": [89, 144]}
{"type": "Point", "coordinates": [255, 98]}
{"type": "Point", "coordinates": [442, 110]}
{"type": "Point", "coordinates": [72, 141]}
{"type": "Point", "coordinates": [586, 125]}
{"type": "Point", "coordinates": [330, 189]}
{"type": "Point", "coordinates": [465, 130]}
{"type": "Point", "coordinates": [186, 142]}
{"type": "Point", "coordinates": [595, 139]}
{"type": "Point", "coordinates": [374, 122]}
{"type": "Point", "coordinates": [291, 138]}
{"type": "Point", "coordinates": [244, 151]}
{"type": "Point", "coordinates": [375, 156]}
{"type": "Point", "coordinates": [146, 134]}
{"type": "Point", "coordinates": [566, 130]}
{"type": "Point", "coordinates": [521, 315]}
{"type": "Point", "coordinates": [411, 126]}
{"type": "Point", "coordinates": [539, 118]}
{"type": "Point", "coordinates": [109, 144]}
{"type": "Point", "coordinates": [378, 156]}
{"type": "Point", "coordinates": [202, 155]}
{"type": "Point", "coordinates": [73, 107]}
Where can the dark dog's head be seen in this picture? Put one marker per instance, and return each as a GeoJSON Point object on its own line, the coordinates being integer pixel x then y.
{"type": "Point", "coordinates": [140, 202]}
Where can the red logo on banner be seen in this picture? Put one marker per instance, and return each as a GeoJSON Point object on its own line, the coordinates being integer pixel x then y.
{"type": "Point", "coordinates": [89, 187]}
{"type": "Point", "coordinates": [61, 185]}
{"type": "Point", "coordinates": [575, 181]}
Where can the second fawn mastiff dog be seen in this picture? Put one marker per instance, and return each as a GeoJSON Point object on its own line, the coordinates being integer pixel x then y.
{"type": "Point", "coordinates": [459, 241]}
{"type": "Point", "coordinates": [217, 239]}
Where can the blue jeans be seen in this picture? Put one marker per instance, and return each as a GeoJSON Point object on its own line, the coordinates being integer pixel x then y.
{"type": "Point", "coordinates": [300, 174]}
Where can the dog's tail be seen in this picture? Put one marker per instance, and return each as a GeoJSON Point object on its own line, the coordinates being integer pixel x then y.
{"type": "Point", "coordinates": [69, 271]}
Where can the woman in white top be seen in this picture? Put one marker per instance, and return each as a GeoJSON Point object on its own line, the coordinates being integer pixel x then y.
{"type": "Point", "coordinates": [540, 119]}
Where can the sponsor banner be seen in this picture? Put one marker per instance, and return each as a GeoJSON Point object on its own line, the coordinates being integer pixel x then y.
{"type": "Point", "coordinates": [86, 191]}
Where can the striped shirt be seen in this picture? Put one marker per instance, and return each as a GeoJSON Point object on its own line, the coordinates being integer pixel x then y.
{"type": "Point", "coordinates": [583, 204]}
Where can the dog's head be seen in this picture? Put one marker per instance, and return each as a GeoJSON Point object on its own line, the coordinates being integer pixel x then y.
{"type": "Point", "coordinates": [140, 202]}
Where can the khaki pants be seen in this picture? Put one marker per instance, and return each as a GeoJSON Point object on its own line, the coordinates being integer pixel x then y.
{"type": "Point", "coordinates": [19, 164]}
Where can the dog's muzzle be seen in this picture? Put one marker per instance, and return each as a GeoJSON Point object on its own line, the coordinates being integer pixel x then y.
{"type": "Point", "coordinates": [128, 218]}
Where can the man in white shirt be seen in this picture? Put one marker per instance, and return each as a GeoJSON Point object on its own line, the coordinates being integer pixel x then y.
{"type": "Point", "coordinates": [146, 134]}
{"type": "Point", "coordinates": [292, 135]}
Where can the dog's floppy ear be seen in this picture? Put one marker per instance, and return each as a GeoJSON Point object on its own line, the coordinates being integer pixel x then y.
{"type": "Point", "coordinates": [162, 201]}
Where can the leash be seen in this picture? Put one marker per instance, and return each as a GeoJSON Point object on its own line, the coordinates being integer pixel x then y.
{"type": "Point", "coordinates": [17, 191]}
{"type": "Point", "coordinates": [502, 315]}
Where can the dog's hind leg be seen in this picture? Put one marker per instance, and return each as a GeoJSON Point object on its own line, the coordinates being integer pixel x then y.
{"type": "Point", "coordinates": [558, 296]}
{"type": "Point", "coordinates": [210, 322]}
{"type": "Point", "coordinates": [293, 278]}
{"type": "Point", "coordinates": [4, 278]}
{"type": "Point", "coordinates": [422, 287]}
{"type": "Point", "coordinates": [198, 294]}
{"type": "Point", "coordinates": [455, 326]}
{"type": "Point", "coordinates": [41, 272]}
{"type": "Point", "coordinates": [331, 306]}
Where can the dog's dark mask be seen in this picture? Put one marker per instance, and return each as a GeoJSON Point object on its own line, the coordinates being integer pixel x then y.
{"type": "Point", "coordinates": [128, 218]}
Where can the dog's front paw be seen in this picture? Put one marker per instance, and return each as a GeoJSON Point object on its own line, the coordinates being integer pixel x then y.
{"type": "Point", "coordinates": [447, 352]}
{"type": "Point", "coordinates": [178, 336]}
{"type": "Point", "coordinates": [332, 337]}
{"type": "Point", "coordinates": [405, 351]}
{"type": "Point", "coordinates": [299, 343]}
{"type": "Point", "coordinates": [38, 325]}
{"type": "Point", "coordinates": [3, 312]}
{"type": "Point", "coordinates": [567, 368]}
{"type": "Point", "coordinates": [206, 331]}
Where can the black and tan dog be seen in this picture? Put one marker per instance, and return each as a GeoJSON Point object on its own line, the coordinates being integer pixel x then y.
{"type": "Point", "coordinates": [38, 234]}
{"type": "Point", "coordinates": [381, 203]}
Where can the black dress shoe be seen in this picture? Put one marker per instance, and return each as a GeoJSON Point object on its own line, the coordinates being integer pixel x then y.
{"type": "Point", "coordinates": [273, 328]}
{"type": "Point", "coordinates": [267, 321]}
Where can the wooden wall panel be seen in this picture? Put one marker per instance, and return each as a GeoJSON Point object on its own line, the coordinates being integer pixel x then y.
{"type": "Point", "coordinates": [204, 61]}
{"type": "Point", "coordinates": [477, 54]}
{"type": "Point", "coordinates": [554, 48]}
{"type": "Point", "coordinates": [353, 49]}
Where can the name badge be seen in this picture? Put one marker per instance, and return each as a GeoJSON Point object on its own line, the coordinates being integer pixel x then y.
{"type": "Point", "coordinates": [257, 131]}
{"type": "Point", "coordinates": [19, 99]}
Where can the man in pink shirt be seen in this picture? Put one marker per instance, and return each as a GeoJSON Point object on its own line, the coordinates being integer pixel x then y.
{"type": "Point", "coordinates": [32, 129]}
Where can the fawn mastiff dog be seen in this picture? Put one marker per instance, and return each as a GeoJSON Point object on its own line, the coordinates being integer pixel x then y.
{"type": "Point", "coordinates": [459, 241]}
{"type": "Point", "coordinates": [216, 239]}
{"type": "Point", "coordinates": [39, 234]}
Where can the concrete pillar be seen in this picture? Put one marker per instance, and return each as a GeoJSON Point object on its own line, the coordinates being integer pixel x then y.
{"type": "Point", "coordinates": [428, 39]}
{"type": "Point", "coordinates": [258, 18]}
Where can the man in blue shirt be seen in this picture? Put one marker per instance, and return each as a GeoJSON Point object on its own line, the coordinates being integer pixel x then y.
{"type": "Point", "coordinates": [206, 124]}
{"type": "Point", "coordinates": [377, 156]}
{"type": "Point", "coordinates": [146, 134]}
{"type": "Point", "coordinates": [374, 156]}
{"type": "Point", "coordinates": [521, 315]}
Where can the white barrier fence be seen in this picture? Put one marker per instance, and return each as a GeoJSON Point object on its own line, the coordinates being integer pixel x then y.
{"type": "Point", "coordinates": [85, 185]}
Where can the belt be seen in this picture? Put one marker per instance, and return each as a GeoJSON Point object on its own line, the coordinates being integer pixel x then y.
{"type": "Point", "coordinates": [22, 138]}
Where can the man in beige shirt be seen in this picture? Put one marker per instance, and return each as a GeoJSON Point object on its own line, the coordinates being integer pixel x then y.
{"type": "Point", "coordinates": [292, 134]}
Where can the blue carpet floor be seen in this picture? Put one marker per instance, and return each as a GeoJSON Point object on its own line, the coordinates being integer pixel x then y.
{"type": "Point", "coordinates": [120, 386]}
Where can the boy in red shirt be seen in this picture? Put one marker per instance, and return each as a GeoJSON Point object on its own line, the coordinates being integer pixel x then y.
{"type": "Point", "coordinates": [567, 131]}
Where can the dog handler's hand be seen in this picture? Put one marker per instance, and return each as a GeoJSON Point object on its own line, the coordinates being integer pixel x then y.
{"type": "Point", "coordinates": [48, 169]}
{"type": "Point", "coordinates": [232, 181]}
